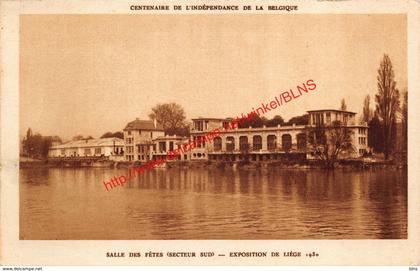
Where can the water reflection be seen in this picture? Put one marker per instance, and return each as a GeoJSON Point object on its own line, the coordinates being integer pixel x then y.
{"type": "Point", "coordinates": [213, 204]}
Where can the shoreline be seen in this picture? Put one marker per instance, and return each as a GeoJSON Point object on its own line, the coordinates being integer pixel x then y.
{"type": "Point", "coordinates": [300, 165]}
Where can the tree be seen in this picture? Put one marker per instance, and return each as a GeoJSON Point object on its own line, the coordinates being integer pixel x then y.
{"type": "Point", "coordinates": [171, 116]}
{"type": "Point", "coordinates": [275, 121]}
{"type": "Point", "coordinates": [404, 120]}
{"type": "Point", "coordinates": [375, 134]}
{"type": "Point", "coordinates": [116, 134]}
{"type": "Point", "coordinates": [299, 120]}
{"type": "Point", "coordinates": [367, 112]}
{"type": "Point", "coordinates": [387, 102]}
{"type": "Point", "coordinates": [80, 137]}
{"type": "Point", "coordinates": [28, 133]}
{"type": "Point", "coordinates": [329, 142]}
{"type": "Point", "coordinates": [343, 105]}
{"type": "Point", "coordinates": [36, 145]}
{"type": "Point", "coordinates": [255, 122]}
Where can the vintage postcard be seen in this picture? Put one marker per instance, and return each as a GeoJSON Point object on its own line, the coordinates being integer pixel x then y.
{"type": "Point", "coordinates": [210, 133]}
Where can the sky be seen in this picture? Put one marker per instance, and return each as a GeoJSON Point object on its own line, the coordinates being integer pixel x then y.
{"type": "Point", "coordinates": [90, 74]}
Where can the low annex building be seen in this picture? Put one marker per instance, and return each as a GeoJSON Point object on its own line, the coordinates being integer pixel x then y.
{"type": "Point", "coordinates": [111, 148]}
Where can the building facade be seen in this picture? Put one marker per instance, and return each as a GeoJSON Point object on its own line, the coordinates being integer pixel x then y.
{"type": "Point", "coordinates": [145, 140]}
{"type": "Point", "coordinates": [110, 148]}
{"type": "Point", "coordinates": [138, 139]}
{"type": "Point", "coordinates": [273, 142]}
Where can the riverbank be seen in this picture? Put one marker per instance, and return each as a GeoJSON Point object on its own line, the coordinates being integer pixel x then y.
{"type": "Point", "coordinates": [286, 164]}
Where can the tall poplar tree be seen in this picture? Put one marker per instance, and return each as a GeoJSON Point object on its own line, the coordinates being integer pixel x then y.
{"type": "Point", "coordinates": [387, 102]}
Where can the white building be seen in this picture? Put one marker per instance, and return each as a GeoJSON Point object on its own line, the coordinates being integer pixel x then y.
{"type": "Point", "coordinates": [111, 148]}
{"type": "Point", "coordinates": [271, 142]}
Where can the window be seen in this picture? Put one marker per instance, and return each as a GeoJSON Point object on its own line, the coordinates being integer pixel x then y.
{"type": "Point", "coordinates": [129, 132]}
{"type": "Point", "coordinates": [257, 143]}
{"type": "Point", "coordinates": [301, 141]}
{"type": "Point", "coordinates": [271, 142]}
{"type": "Point", "coordinates": [63, 152]}
{"type": "Point", "coordinates": [345, 118]}
{"type": "Point", "coordinates": [151, 134]}
{"type": "Point", "coordinates": [171, 145]}
{"type": "Point", "coordinates": [225, 124]}
{"type": "Point", "coordinates": [286, 142]}
{"type": "Point", "coordinates": [328, 117]}
{"type": "Point", "coordinates": [243, 143]}
{"type": "Point", "coordinates": [199, 125]}
{"type": "Point", "coordinates": [87, 151]}
{"type": "Point", "coordinates": [162, 146]}
{"type": "Point", "coordinates": [319, 118]}
{"type": "Point", "coordinates": [217, 144]}
{"type": "Point", "coordinates": [230, 143]}
{"type": "Point", "coordinates": [97, 150]}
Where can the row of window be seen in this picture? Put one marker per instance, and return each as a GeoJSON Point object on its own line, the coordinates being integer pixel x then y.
{"type": "Point", "coordinates": [362, 140]}
{"type": "Point", "coordinates": [318, 118]}
{"type": "Point", "coordinates": [139, 132]}
{"type": "Point", "coordinates": [257, 143]}
{"type": "Point", "coordinates": [86, 151]}
{"type": "Point", "coordinates": [201, 125]}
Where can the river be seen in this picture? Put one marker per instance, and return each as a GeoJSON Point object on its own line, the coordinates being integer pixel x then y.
{"type": "Point", "coordinates": [72, 204]}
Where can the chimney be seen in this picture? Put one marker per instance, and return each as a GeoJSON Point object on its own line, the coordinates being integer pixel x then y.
{"type": "Point", "coordinates": [155, 122]}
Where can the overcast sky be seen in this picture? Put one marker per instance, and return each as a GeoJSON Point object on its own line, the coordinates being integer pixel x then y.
{"type": "Point", "coordinates": [89, 74]}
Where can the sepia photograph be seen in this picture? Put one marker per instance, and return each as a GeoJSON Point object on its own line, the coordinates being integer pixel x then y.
{"type": "Point", "coordinates": [213, 127]}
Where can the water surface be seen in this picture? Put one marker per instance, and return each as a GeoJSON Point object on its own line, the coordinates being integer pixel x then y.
{"type": "Point", "coordinates": [72, 204]}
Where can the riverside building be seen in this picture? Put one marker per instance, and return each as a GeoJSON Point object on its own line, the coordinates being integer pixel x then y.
{"type": "Point", "coordinates": [271, 143]}
{"type": "Point", "coordinates": [145, 140]}
{"type": "Point", "coordinates": [109, 148]}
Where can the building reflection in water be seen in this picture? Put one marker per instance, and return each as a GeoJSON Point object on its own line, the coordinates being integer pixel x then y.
{"type": "Point", "coordinates": [213, 204]}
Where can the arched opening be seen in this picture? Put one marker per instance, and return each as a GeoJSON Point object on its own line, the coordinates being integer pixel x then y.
{"type": "Point", "coordinates": [286, 142]}
{"type": "Point", "coordinates": [257, 142]}
{"type": "Point", "coordinates": [243, 143]}
{"type": "Point", "coordinates": [217, 144]}
{"type": "Point", "coordinates": [301, 141]}
{"type": "Point", "coordinates": [230, 143]}
{"type": "Point", "coordinates": [271, 142]}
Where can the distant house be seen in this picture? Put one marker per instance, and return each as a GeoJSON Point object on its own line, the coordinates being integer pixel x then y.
{"type": "Point", "coordinates": [102, 147]}
{"type": "Point", "coordinates": [138, 139]}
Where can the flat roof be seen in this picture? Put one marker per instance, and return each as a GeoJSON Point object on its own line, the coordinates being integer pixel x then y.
{"type": "Point", "coordinates": [335, 110]}
{"type": "Point", "coordinates": [201, 118]}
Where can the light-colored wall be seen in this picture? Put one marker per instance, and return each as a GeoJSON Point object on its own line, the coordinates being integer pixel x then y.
{"type": "Point", "coordinates": [139, 137]}
{"type": "Point", "coordinates": [80, 151]}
